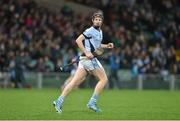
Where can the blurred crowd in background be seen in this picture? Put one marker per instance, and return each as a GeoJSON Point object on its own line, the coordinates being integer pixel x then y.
{"type": "Point", "coordinates": [146, 34]}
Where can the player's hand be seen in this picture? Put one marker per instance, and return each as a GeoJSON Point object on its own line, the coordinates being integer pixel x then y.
{"type": "Point", "coordinates": [110, 45]}
{"type": "Point", "coordinates": [89, 55]}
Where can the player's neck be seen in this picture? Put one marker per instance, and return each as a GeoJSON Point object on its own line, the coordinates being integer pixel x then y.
{"type": "Point", "coordinates": [97, 28]}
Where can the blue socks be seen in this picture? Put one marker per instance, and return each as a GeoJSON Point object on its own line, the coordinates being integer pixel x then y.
{"type": "Point", "coordinates": [94, 98]}
{"type": "Point", "coordinates": [60, 100]}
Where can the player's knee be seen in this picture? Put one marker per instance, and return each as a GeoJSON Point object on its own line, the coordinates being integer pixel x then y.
{"type": "Point", "coordinates": [104, 80]}
{"type": "Point", "coordinates": [71, 84]}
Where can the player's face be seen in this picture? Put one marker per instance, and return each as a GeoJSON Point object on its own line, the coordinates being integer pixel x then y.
{"type": "Point", "coordinates": [97, 21]}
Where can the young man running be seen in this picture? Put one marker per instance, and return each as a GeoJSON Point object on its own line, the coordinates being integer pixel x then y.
{"type": "Point", "coordinates": [89, 41]}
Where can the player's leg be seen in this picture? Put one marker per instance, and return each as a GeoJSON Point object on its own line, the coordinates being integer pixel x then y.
{"type": "Point", "coordinates": [67, 81]}
{"type": "Point", "coordinates": [101, 75]}
{"type": "Point", "coordinates": [70, 79]}
{"type": "Point", "coordinates": [79, 75]}
{"type": "Point", "coordinates": [79, 82]}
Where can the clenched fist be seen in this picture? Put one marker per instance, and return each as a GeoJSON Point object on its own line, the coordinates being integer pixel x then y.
{"type": "Point", "coordinates": [110, 45]}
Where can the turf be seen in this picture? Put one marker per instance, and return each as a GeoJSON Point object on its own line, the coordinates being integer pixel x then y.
{"type": "Point", "coordinates": [116, 104]}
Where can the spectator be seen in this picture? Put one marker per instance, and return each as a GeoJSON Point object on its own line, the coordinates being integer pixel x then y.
{"type": "Point", "coordinates": [134, 26]}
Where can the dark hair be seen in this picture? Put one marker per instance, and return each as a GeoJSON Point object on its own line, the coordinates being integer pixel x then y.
{"type": "Point", "coordinates": [97, 14]}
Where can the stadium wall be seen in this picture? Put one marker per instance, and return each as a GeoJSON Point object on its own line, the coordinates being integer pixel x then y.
{"type": "Point", "coordinates": [56, 80]}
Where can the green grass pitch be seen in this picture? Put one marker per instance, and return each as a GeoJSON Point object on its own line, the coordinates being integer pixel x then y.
{"type": "Point", "coordinates": [116, 104]}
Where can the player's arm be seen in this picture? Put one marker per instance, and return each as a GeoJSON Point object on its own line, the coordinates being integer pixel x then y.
{"type": "Point", "coordinates": [109, 45]}
{"type": "Point", "coordinates": [79, 42]}
{"type": "Point", "coordinates": [99, 51]}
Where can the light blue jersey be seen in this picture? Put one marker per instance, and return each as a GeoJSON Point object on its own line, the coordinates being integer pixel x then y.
{"type": "Point", "coordinates": [93, 38]}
